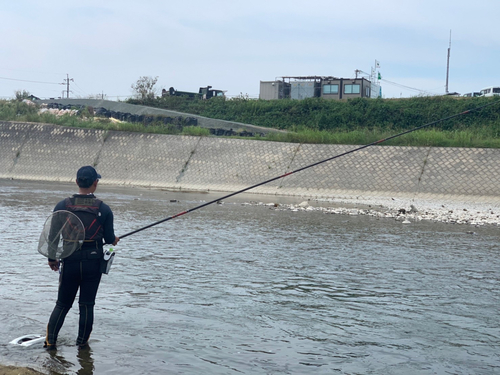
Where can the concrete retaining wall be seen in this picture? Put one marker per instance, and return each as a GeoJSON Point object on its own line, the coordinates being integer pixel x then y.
{"type": "Point", "coordinates": [53, 153]}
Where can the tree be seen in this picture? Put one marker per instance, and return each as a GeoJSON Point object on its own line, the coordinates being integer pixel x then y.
{"type": "Point", "coordinates": [144, 88]}
{"type": "Point", "coordinates": [20, 95]}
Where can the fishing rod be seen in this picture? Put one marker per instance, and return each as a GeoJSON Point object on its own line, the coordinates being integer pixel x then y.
{"type": "Point", "coordinates": [308, 166]}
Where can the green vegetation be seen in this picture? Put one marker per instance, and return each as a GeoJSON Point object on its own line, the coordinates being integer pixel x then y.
{"type": "Point", "coordinates": [21, 112]}
{"type": "Point", "coordinates": [356, 121]}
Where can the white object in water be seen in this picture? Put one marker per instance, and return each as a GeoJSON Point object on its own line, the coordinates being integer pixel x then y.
{"type": "Point", "coordinates": [28, 340]}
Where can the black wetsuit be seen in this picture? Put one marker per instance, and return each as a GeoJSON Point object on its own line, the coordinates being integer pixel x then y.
{"type": "Point", "coordinates": [82, 269]}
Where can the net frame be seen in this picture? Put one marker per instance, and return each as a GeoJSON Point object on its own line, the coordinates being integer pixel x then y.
{"type": "Point", "coordinates": [63, 233]}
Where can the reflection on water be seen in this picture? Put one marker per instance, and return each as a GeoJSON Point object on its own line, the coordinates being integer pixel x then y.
{"type": "Point", "coordinates": [235, 288]}
{"type": "Point", "coordinates": [85, 361]}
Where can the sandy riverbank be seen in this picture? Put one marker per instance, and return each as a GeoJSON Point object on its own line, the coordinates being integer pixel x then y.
{"type": "Point", "coordinates": [14, 370]}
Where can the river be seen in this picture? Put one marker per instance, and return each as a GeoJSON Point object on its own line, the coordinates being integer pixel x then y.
{"type": "Point", "coordinates": [240, 288]}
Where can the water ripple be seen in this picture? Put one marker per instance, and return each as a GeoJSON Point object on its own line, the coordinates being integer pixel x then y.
{"type": "Point", "coordinates": [244, 289]}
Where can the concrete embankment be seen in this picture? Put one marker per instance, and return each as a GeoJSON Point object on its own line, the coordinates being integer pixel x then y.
{"type": "Point", "coordinates": [53, 153]}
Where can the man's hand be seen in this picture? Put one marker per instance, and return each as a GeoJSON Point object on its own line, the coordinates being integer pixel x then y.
{"type": "Point", "coordinates": [54, 265]}
{"type": "Point", "coordinates": [116, 240]}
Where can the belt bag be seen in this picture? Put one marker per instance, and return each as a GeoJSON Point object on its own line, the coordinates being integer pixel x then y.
{"type": "Point", "coordinates": [106, 261]}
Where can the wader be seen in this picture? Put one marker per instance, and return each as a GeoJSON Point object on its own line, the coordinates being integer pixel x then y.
{"type": "Point", "coordinates": [80, 271]}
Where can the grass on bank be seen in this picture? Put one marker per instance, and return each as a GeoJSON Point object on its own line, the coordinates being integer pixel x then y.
{"type": "Point", "coordinates": [481, 129]}
{"type": "Point", "coordinates": [426, 137]}
{"type": "Point", "coordinates": [335, 115]}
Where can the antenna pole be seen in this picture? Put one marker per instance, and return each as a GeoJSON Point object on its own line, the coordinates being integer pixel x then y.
{"type": "Point", "coordinates": [448, 65]}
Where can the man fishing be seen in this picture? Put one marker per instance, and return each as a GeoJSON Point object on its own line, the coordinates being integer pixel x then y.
{"type": "Point", "coordinates": [82, 269]}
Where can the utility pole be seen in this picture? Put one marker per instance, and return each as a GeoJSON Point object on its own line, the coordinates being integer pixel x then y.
{"type": "Point", "coordinates": [448, 65]}
{"type": "Point", "coordinates": [66, 82]}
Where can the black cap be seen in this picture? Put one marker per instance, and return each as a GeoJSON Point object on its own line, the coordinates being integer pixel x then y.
{"type": "Point", "coordinates": [86, 176]}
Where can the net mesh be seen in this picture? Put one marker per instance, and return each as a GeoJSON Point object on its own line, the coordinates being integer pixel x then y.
{"type": "Point", "coordinates": [62, 234]}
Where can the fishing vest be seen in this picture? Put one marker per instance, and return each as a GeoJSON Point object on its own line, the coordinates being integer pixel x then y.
{"type": "Point", "coordinates": [87, 210]}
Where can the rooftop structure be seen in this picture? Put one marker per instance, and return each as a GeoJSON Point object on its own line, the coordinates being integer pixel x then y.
{"type": "Point", "coordinates": [326, 87]}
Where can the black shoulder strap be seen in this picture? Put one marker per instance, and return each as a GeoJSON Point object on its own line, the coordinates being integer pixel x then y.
{"type": "Point", "coordinates": [67, 202]}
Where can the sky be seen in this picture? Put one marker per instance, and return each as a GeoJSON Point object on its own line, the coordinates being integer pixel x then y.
{"type": "Point", "coordinates": [104, 47]}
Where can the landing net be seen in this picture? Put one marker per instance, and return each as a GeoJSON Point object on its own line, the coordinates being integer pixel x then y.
{"type": "Point", "coordinates": [62, 234]}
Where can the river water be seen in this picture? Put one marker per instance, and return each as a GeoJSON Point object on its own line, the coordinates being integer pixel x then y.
{"type": "Point", "coordinates": [238, 288]}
